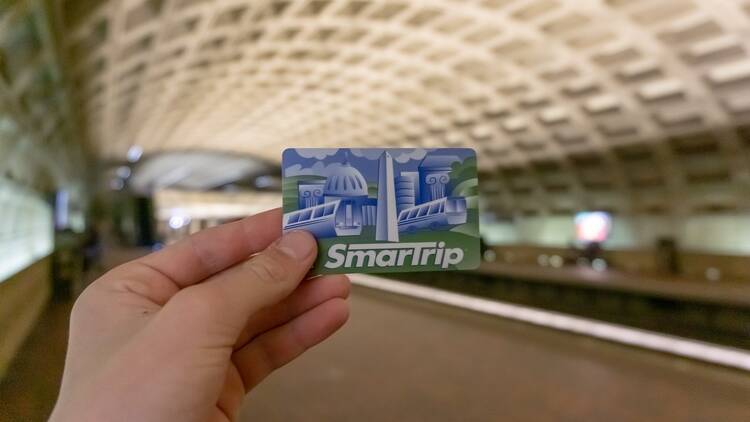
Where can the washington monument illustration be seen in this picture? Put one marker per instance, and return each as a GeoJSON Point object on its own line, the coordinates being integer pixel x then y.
{"type": "Point", "coordinates": [386, 224]}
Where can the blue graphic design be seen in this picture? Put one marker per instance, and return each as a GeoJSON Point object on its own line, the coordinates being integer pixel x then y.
{"type": "Point", "coordinates": [310, 194]}
{"type": "Point", "coordinates": [342, 191]}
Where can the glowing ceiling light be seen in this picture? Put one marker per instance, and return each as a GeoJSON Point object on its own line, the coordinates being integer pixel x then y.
{"type": "Point", "coordinates": [599, 265]}
{"type": "Point", "coordinates": [116, 184]}
{"type": "Point", "coordinates": [178, 221]}
{"type": "Point", "coordinates": [134, 153]}
{"type": "Point", "coordinates": [264, 182]}
{"type": "Point", "coordinates": [123, 172]}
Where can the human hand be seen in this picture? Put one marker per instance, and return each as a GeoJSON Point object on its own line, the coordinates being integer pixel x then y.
{"type": "Point", "coordinates": [184, 333]}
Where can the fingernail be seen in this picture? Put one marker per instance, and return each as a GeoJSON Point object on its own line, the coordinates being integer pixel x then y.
{"type": "Point", "coordinates": [297, 244]}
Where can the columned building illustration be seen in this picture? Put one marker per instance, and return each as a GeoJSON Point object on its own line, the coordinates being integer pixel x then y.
{"type": "Point", "coordinates": [310, 193]}
{"type": "Point", "coordinates": [434, 176]}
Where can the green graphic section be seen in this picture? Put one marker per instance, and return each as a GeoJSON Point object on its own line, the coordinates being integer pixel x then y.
{"type": "Point", "coordinates": [464, 182]}
{"type": "Point", "coordinates": [465, 237]}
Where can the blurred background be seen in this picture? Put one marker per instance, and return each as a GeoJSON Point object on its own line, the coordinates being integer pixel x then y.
{"type": "Point", "coordinates": [613, 139]}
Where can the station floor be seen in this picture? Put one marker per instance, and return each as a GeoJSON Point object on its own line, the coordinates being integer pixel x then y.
{"type": "Point", "coordinates": [402, 359]}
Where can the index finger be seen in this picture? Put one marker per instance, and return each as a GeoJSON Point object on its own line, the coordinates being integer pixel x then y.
{"type": "Point", "coordinates": [210, 251]}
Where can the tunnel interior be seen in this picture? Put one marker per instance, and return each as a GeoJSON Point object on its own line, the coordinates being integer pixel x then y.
{"type": "Point", "coordinates": [613, 153]}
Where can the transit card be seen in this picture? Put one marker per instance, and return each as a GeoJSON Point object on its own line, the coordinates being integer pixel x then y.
{"type": "Point", "coordinates": [382, 210]}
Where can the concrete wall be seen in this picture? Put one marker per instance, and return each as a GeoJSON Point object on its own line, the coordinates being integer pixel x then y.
{"type": "Point", "coordinates": [720, 234]}
{"type": "Point", "coordinates": [694, 265]}
{"type": "Point", "coordinates": [23, 297]}
{"type": "Point", "coordinates": [718, 243]}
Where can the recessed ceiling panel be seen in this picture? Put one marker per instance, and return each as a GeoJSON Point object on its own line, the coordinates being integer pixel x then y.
{"type": "Point", "coordinates": [519, 81]}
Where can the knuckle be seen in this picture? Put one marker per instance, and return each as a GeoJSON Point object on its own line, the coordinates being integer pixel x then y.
{"type": "Point", "coordinates": [207, 257]}
{"type": "Point", "coordinates": [269, 266]}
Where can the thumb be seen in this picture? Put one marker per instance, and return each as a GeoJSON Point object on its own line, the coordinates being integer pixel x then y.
{"type": "Point", "coordinates": [227, 299]}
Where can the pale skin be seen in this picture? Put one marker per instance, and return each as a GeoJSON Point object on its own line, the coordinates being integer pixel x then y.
{"type": "Point", "coordinates": [185, 333]}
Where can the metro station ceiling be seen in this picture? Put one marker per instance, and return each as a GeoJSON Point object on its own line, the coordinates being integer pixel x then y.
{"type": "Point", "coordinates": [569, 103]}
{"type": "Point", "coordinates": [39, 147]}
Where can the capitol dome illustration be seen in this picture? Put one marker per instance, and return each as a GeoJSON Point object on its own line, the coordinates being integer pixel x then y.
{"type": "Point", "coordinates": [345, 181]}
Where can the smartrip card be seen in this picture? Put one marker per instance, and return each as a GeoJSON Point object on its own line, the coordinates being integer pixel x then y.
{"type": "Point", "coordinates": [376, 210]}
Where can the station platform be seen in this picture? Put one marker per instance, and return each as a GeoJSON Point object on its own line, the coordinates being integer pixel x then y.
{"type": "Point", "coordinates": [401, 358]}
{"type": "Point", "coordinates": [672, 288]}
{"type": "Point", "coordinates": [717, 312]}
{"type": "Point", "coordinates": [406, 359]}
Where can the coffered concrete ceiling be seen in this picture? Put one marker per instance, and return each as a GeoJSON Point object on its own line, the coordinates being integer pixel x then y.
{"type": "Point", "coordinates": [570, 103]}
{"type": "Point", "coordinates": [40, 146]}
